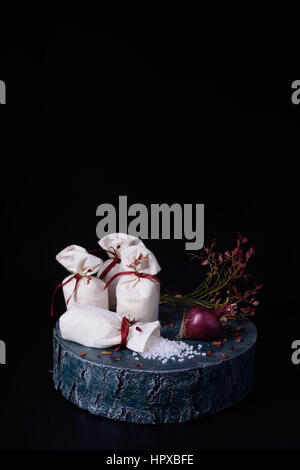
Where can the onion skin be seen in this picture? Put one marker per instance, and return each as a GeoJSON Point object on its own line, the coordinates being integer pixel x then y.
{"type": "Point", "coordinates": [201, 323]}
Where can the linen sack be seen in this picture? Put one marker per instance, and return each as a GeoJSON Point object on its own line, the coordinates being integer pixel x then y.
{"type": "Point", "coordinates": [100, 328]}
{"type": "Point", "coordinates": [84, 288]}
{"type": "Point", "coordinates": [114, 244]}
{"type": "Point", "coordinates": [137, 296]}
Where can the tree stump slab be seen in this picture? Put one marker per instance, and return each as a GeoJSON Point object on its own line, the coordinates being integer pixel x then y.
{"type": "Point", "coordinates": [141, 390]}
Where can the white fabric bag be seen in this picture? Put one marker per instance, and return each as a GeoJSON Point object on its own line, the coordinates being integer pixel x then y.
{"type": "Point", "coordinates": [138, 296]}
{"type": "Point", "coordinates": [82, 288]}
{"type": "Point", "coordinates": [99, 328]}
{"type": "Point", "coordinates": [114, 244]}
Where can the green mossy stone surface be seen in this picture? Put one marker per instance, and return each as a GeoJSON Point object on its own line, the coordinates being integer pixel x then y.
{"type": "Point", "coordinates": [156, 392]}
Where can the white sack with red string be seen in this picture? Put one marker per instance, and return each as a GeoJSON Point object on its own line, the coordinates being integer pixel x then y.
{"type": "Point", "coordinates": [137, 296]}
{"type": "Point", "coordinates": [114, 244]}
{"type": "Point", "coordinates": [89, 290]}
{"type": "Point", "coordinates": [99, 328]}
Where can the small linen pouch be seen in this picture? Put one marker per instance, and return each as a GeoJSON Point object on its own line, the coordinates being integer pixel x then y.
{"type": "Point", "coordinates": [100, 328]}
{"type": "Point", "coordinates": [114, 244]}
{"type": "Point", "coordinates": [81, 286]}
{"type": "Point", "coordinates": [138, 292]}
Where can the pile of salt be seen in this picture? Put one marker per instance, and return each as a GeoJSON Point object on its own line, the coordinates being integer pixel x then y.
{"type": "Point", "coordinates": [164, 349]}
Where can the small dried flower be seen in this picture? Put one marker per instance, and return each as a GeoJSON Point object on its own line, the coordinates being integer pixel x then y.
{"type": "Point", "coordinates": [217, 344]}
{"type": "Point", "coordinates": [222, 287]}
{"type": "Point", "coordinates": [239, 328]}
{"type": "Point", "coordinates": [239, 339]}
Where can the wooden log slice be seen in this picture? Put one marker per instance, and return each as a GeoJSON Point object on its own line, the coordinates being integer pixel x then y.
{"type": "Point", "coordinates": [155, 392]}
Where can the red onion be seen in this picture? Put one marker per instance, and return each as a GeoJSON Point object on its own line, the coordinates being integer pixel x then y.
{"type": "Point", "coordinates": [201, 323]}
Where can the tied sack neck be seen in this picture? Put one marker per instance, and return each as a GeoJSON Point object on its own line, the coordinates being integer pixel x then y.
{"type": "Point", "coordinates": [116, 260]}
{"type": "Point", "coordinates": [113, 253]}
{"type": "Point", "coordinates": [113, 244]}
{"type": "Point", "coordinates": [125, 325]}
{"type": "Point", "coordinates": [142, 263]}
{"type": "Point", "coordinates": [80, 263]}
{"type": "Point", "coordinates": [77, 278]}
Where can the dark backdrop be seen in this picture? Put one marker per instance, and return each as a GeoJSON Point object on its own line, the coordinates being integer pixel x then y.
{"type": "Point", "coordinates": [93, 115]}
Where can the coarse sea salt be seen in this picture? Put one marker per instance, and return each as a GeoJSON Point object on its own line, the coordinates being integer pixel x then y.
{"type": "Point", "coordinates": [164, 349]}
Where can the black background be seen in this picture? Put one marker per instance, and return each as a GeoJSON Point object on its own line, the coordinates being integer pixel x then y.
{"type": "Point", "coordinates": [93, 115]}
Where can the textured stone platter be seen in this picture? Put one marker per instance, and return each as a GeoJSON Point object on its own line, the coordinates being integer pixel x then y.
{"type": "Point", "coordinates": [154, 392]}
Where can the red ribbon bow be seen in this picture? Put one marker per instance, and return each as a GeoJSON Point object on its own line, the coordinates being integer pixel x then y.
{"type": "Point", "coordinates": [108, 268]}
{"type": "Point", "coordinates": [77, 278]}
{"type": "Point", "coordinates": [125, 325]}
{"type": "Point", "coordinates": [115, 260]}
